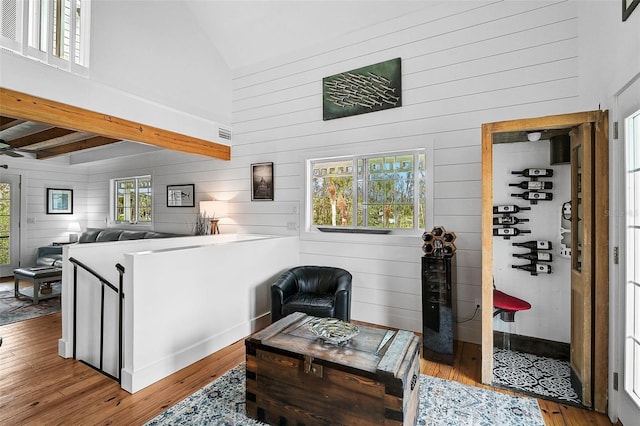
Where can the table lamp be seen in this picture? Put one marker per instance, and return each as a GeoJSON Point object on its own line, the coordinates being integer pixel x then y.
{"type": "Point", "coordinates": [73, 229]}
{"type": "Point", "coordinates": [214, 210]}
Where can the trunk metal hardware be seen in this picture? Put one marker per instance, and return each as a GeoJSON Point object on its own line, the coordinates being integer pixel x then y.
{"type": "Point", "coordinates": [311, 368]}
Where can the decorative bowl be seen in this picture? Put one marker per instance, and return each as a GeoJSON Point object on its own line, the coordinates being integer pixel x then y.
{"type": "Point", "coordinates": [333, 330]}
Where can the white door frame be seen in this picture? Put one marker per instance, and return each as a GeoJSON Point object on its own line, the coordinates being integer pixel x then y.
{"type": "Point", "coordinates": [621, 407]}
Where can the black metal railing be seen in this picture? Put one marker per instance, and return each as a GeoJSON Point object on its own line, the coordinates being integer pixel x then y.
{"type": "Point", "coordinates": [105, 284]}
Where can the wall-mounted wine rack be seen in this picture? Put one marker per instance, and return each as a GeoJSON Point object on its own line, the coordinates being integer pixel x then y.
{"type": "Point", "coordinates": [538, 255]}
{"type": "Point", "coordinates": [506, 221]}
{"type": "Point", "coordinates": [534, 188]}
{"type": "Point", "coordinates": [507, 224]}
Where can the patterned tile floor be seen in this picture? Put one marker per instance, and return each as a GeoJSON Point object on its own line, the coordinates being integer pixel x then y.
{"type": "Point", "coordinates": [535, 375]}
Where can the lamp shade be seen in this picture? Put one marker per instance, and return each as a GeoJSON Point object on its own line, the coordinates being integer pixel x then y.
{"type": "Point", "coordinates": [214, 209]}
{"type": "Point", "coordinates": [74, 227]}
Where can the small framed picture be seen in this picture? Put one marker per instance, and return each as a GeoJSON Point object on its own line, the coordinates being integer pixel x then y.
{"type": "Point", "coordinates": [262, 182]}
{"type": "Point", "coordinates": [181, 195]}
{"type": "Point", "coordinates": [59, 201]}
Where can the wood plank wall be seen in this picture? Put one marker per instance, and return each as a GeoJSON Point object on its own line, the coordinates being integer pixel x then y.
{"type": "Point", "coordinates": [37, 227]}
{"type": "Point", "coordinates": [463, 64]}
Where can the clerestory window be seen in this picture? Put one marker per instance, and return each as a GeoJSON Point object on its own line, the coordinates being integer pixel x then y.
{"type": "Point", "coordinates": [380, 191]}
{"type": "Point", "coordinates": [56, 32]}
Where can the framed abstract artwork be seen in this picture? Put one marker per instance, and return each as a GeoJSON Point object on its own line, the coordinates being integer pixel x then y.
{"type": "Point", "coordinates": [372, 88]}
{"type": "Point", "coordinates": [59, 201]}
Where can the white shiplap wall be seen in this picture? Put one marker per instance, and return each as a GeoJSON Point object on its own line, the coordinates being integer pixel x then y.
{"type": "Point", "coordinates": [37, 228]}
{"type": "Point", "coordinates": [463, 64]}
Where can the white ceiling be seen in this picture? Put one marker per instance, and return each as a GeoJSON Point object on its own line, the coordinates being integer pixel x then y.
{"type": "Point", "coordinates": [247, 32]}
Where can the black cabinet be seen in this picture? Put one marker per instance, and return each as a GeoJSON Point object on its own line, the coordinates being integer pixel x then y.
{"type": "Point", "coordinates": [438, 282]}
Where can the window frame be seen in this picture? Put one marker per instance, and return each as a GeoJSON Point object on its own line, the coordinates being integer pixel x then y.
{"type": "Point", "coordinates": [24, 19]}
{"type": "Point", "coordinates": [114, 201]}
{"type": "Point", "coordinates": [354, 228]}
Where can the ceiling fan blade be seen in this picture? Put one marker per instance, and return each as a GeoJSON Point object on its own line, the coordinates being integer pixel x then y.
{"type": "Point", "coordinates": [10, 153]}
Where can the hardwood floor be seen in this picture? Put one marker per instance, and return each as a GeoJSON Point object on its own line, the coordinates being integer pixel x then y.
{"type": "Point", "coordinates": [39, 387]}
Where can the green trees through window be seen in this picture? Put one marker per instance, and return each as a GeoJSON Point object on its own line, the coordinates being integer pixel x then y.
{"type": "Point", "coordinates": [133, 200]}
{"type": "Point", "coordinates": [55, 32]}
{"type": "Point", "coordinates": [5, 223]}
{"type": "Point", "coordinates": [378, 191]}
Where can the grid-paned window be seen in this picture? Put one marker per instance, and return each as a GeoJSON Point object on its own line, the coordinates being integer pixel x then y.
{"type": "Point", "coordinates": [5, 223]}
{"type": "Point", "coordinates": [373, 191]}
{"type": "Point", "coordinates": [632, 290]}
{"type": "Point", "coordinates": [133, 200]}
{"type": "Point", "coordinates": [52, 31]}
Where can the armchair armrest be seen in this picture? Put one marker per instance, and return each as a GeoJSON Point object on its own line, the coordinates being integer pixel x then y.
{"type": "Point", "coordinates": [281, 290]}
{"type": "Point", "coordinates": [342, 297]}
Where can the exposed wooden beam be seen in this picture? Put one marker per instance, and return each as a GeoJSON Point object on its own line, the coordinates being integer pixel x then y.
{"type": "Point", "coordinates": [76, 146]}
{"type": "Point", "coordinates": [42, 136]}
{"type": "Point", "coordinates": [9, 122]}
{"type": "Point", "coordinates": [549, 122]}
{"type": "Point", "coordinates": [23, 106]}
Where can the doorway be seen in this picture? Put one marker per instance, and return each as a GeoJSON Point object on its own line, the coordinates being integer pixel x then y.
{"type": "Point", "coordinates": [588, 309]}
{"type": "Point", "coordinates": [9, 223]}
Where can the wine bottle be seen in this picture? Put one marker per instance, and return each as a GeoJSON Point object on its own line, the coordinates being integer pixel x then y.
{"type": "Point", "coordinates": [532, 195]}
{"type": "Point", "coordinates": [534, 268]}
{"type": "Point", "coordinates": [539, 256]}
{"type": "Point", "coordinates": [535, 245]}
{"type": "Point", "coordinates": [509, 208]}
{"type": "Point", "coordinates": [509, 232]}
{"type": "Point", "coordinates": [447, 250]}
{"type": "Point", "coordinates": [534, 185]}
{"type": "Point", "coordinates": [534, 172]}
{"type": "Point", "coordinates": [449, 237]}
{"type": "Point", "coordinates": [508, 220]}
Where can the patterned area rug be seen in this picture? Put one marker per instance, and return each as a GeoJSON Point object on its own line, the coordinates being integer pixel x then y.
{"type": "Point", "coordinates": [532, 374]}
{"type": "Point", "coordinates": [442, 402]}
{"type": "Point", "coordinates": [14, 310]}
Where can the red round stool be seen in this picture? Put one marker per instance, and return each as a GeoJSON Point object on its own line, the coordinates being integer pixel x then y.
{"type": "Point", "coordinates": [506, 306]}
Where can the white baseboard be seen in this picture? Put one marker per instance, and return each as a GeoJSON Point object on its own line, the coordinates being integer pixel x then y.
{"type": "Point", "coordinates": [133, 381]}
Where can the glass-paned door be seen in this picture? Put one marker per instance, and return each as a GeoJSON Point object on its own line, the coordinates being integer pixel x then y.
{"type": "Point", "coordinates": [9, 223]}
{"type": "Point", "coordinates": [632, 278]}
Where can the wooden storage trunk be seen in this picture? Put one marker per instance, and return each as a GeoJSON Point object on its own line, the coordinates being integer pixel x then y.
{"type": "Point", "coordinates": [295, 379]}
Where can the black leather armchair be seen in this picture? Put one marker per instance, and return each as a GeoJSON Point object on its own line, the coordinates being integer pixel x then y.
{"type": "Point", "coordinates": [320, 291]}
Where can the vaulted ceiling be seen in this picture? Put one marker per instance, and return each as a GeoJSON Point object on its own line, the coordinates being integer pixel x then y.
{"type": "Point", "coordinates": [245, 33]}
{"type": "Point", "coordinates": [249, 31]}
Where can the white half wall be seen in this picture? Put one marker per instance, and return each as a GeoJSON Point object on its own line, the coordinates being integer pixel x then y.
{"type": "Point", "coordinates": [184, 298]}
